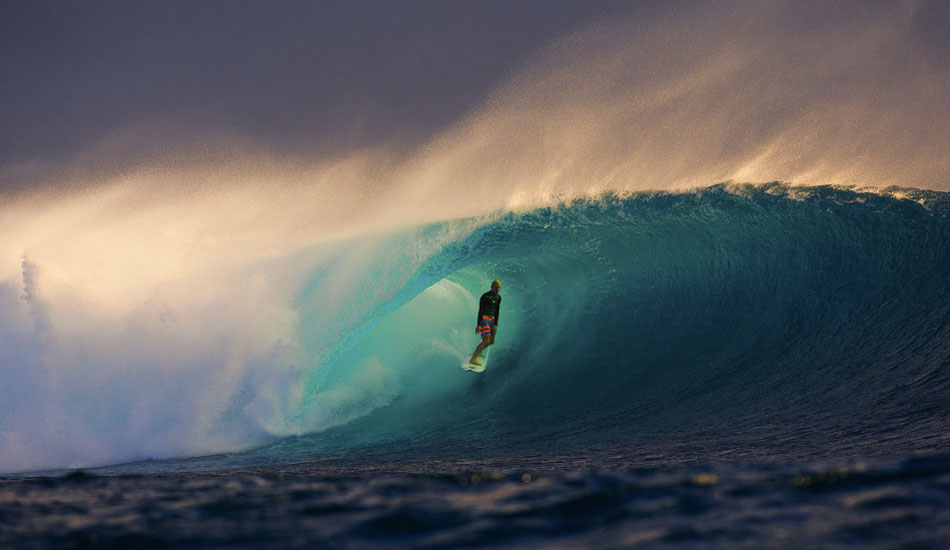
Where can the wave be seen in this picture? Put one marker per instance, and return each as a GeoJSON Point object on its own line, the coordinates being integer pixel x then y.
{"type": "Point", "coordinates": [728, 312]}
{"type": "Point", "coordinates": [817, 313]}
{"type": "Point", "coordinates": [177, 305]}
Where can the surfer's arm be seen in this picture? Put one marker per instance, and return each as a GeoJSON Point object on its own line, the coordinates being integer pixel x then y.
{"type": "Point", "coordinates": [484, 307]}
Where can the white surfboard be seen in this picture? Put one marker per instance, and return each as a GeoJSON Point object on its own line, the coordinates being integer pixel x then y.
{"type": "Point", "coordinates": [482, 358]}
{"type": "Point", "coordinates": [473, 368]}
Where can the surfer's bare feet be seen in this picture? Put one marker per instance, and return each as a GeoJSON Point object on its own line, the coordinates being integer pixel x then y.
{"type": "Point", "coordinates": [475, 362]}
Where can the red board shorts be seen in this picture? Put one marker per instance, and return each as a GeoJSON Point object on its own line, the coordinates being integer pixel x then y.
{"type": "Point", "coordinates": [486, 325]}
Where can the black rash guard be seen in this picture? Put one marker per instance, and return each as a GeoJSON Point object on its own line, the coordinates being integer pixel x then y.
{"type": "Point", "coordinates": [489, 305]}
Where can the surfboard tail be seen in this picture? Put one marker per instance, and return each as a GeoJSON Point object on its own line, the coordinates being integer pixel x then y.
{"type": "Point", "coordinates": [473, 368]}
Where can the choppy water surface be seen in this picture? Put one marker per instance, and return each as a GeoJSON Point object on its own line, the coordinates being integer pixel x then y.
{"type": "Point", "coordinates": [891, 504]}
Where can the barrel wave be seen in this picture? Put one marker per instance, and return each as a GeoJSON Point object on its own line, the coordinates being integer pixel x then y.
{"type": "Point", "coordinates": [735, 322]}
{"type": "Point", "coordinates": [753, 322]}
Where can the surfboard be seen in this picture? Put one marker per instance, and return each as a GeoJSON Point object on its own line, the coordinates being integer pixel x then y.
{"type": "Point", "coordinates": [472, 368]}
{"type": "Point", "coordinates": [482, 358]}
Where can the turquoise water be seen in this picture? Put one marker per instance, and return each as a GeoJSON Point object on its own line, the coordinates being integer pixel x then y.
{"type": "Point", "coordinates": [818, 314]}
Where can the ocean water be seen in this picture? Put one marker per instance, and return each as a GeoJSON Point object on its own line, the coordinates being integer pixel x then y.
{"type": "Point", "coordinates": [739, 366]}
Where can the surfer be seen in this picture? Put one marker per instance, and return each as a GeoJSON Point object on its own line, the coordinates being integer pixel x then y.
{"type": "Point", "coordinates": [487, 323]}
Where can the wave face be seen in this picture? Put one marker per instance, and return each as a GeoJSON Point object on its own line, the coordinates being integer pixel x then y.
{"type": "Point", "coordinates": [759, 321]}
{"type": "Point", "coordinates": [756, 322]}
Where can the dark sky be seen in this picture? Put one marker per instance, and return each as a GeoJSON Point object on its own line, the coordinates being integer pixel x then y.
{"type": "Point", "coordinates": [330, 75]}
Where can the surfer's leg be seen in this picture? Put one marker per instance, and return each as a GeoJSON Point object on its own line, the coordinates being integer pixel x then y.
{"type": "Point", "coordinates": [486, 341]}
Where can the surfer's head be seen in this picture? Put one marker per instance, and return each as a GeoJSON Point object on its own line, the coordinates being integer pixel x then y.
{"type": "Point", "coordinates": [496, 286]}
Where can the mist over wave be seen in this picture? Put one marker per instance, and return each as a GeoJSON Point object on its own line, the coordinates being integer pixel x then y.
{"type": "Point", "coordinates": [813, 93]}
